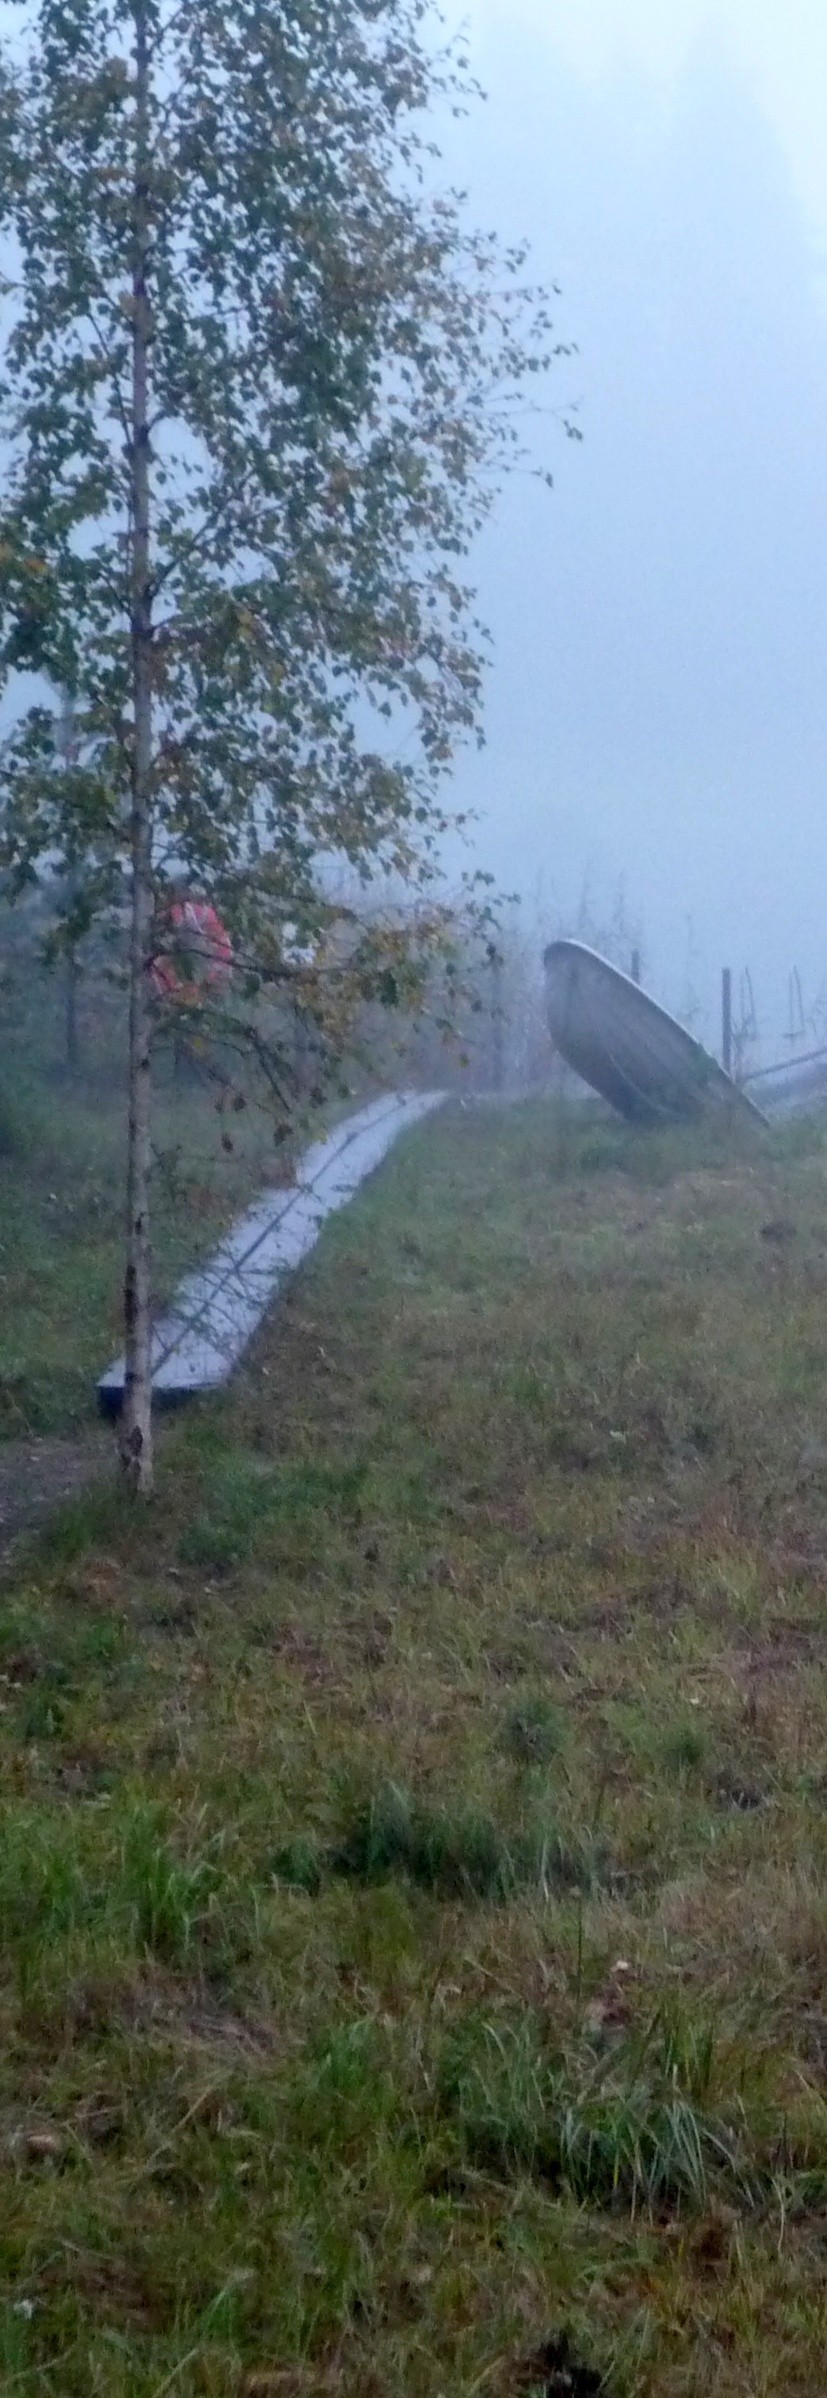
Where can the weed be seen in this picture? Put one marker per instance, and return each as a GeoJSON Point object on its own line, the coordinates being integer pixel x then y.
{"type": "Point", "coordinates": [344, 2088]}
{"type": "Point", "coordinates": [455, 1852]}
{"type": "Point", "coordinates": [300, 1865]}
{"type": "Point", "coordinates": [170, 1901]}
{"type": "Point", "coordinates": [42, 1717]}
{"type": "Point", "coordinates": [683, 1746]}
{"type": "Point", "coordinates": [535, 1730]}
{"type": "Point", "coordinates": [627, 2130]}
{"type": "Point", "coordinates": [459, 1853]}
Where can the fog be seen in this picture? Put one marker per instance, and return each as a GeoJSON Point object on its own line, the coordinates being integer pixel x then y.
{"type": "Point", "coordinates": [657, 713]}
{"type": "Point", "coordinates": [657, 709]}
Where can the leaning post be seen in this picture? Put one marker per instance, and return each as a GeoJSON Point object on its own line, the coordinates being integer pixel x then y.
{"type": "Point", "coordinates": [726, 1019]}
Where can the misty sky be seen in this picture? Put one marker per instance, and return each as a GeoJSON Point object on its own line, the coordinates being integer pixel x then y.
{"type": "Point", "coordinates": [658, 710]}
{"type": "Point", "coordinates": [657, 713]}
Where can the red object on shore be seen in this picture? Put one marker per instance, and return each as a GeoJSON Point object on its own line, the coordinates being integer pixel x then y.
{"type": "Point", "coordinates": [197, 937]}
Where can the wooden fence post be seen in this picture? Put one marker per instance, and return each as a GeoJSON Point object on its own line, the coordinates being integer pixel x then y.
{"type": "Point", "coordinates": [726, 1019]}
{"type": "Point", "coordinates": [497, 1026]}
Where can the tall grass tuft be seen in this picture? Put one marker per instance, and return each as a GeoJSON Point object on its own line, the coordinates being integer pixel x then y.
{"type": "Point", "coordinates": [633, 2130]}
{"type": "Point", "coordinates": [171, 1901]}
{"type": "Point", "coordinates": [455, 1852]}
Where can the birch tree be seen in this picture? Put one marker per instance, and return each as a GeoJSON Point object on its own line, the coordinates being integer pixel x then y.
{"type": "Point", "coordinates": [259, 382]}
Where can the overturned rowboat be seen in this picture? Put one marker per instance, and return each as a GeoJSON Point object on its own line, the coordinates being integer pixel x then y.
{"type": "Point", "coordinates": [628, 1048]}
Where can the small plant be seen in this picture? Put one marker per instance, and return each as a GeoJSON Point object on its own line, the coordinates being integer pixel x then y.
{"type": "Point", "coordinates": [628, 2130]}
{"type": "Point", "coordinates": [170, 1899]}
{"type": "Point", "coordinates": [43, 1717]}
{"type": "Point", "coordinates": [535, 1730]}
{"type": "Point", "coordinates": [459, 1853]}
{"type": "Point", "coordinates": [46, 1889]}
{"type": "Point", "coordinates": [683, 1746]}
{"type": "Point", "coordinates": [345, 2091]}
{"type": "Point", "coordinates": [300, 1866]}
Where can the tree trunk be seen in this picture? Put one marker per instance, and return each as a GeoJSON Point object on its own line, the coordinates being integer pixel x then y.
{"type": "Point", "coordinates": [136, 1447]}
{"type": "Point", "coordinates": [497, 1028]}
{"type": "Point", "coordinates": [68, 746]}
{"type": "Point", "coordinates": [71, 993]}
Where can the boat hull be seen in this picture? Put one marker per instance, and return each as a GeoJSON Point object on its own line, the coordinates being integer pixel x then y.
{"type": "Point", "coordinates": [627, 1048]}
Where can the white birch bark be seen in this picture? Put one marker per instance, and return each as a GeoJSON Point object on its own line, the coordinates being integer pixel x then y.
{"type": "Point", "coordinates": [136, 1444]}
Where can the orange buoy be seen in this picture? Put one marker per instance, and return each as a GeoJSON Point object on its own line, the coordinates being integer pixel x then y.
{"type": "Point", "coordinates": [195, 937]}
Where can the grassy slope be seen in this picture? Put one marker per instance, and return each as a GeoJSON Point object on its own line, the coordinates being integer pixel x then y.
{"type": "Point", "coordinates": [413, 1861]}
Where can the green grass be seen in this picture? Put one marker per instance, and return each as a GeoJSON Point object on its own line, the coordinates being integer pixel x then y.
{"type": "Point", "coordinates": [413, 1873]}
{"type": "Point", "coordinates": [457, 1852]}
{"type": "Point", "coordinates": [629, 2131]}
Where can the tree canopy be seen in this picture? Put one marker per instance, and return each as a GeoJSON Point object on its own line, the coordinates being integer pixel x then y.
{"type": "Point", "coordinates": [260, 381]}
{"type": "Point", "coordinates": [336, 364]}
